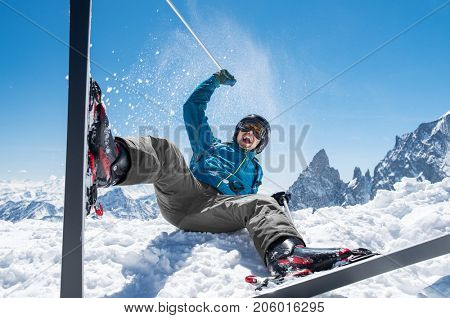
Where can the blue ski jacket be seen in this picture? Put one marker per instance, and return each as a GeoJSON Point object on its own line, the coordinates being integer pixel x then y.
{"type": "Point", "coordinates": [223, 165]}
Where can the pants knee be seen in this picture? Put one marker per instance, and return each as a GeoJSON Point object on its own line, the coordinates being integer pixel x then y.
{"type": "Point", "coordinates": [263, 204]}
{"type": "Point", "coordinates": [266, 200]}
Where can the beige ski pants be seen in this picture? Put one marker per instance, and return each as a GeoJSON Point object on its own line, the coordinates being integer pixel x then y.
{"type": "Point", "coordinates": [192, 205]}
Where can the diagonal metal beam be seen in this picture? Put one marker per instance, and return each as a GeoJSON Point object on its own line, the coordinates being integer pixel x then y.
{"type": "Point", "coordinates": [75, 190]}
{"type": "Point", "coordinates": [323, 282]}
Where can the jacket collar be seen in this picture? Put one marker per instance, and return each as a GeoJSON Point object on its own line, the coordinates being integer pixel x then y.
{"type": "Point", "coordinates": [250, 154]}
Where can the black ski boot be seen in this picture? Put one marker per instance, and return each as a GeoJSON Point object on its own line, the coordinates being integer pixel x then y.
{"type": "Point", "coordinates": [289, 256]}
{"type": "Point", "coordinates": [108, 161]}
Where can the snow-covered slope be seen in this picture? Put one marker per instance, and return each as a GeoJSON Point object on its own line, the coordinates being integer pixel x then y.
{"type": "Point", "coordinates": [135, 258]}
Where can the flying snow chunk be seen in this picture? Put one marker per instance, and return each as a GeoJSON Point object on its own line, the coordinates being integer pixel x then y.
{"type": "Point", "coordinates": [139, 81]}
{"type": "Point", "coordinates": [109, 90]}
{"type": "Point", "coordinates": [172, 112]}
{"type": "Point", "coordinates": [157, 53]}
{"type": "Point", "coordinates": [67, 77]}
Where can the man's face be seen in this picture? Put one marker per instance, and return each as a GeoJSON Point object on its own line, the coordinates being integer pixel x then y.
{"type": "Point", "coordinates": [247, 140]}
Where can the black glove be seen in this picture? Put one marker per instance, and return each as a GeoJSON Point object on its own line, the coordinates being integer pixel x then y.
{"type": "Point", "coordinates": [282, 196]}
{"type": "Point", "coordinates": [225, 78]}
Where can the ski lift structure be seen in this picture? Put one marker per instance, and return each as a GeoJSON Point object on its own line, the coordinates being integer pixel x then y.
{"type": "Point", "coordinates": [75, 188]}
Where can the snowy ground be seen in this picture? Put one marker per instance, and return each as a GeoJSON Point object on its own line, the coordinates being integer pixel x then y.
{"type": "Point", "coordinates": [154, 259]}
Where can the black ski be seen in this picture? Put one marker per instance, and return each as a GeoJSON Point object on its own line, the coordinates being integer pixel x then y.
{"type": "Point", "coordinates": [322, 282]}
{"type": "Point", "coordinates": [261, 283]}
{"type": "Point", "coordinates": [75, 190]}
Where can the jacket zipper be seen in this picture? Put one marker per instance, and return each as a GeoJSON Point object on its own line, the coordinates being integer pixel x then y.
{"type": "Point", "coordinates": [237, 169]}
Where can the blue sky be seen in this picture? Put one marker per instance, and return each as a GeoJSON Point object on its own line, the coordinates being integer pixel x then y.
{"type": "Point", "coordinates": [278, 51]}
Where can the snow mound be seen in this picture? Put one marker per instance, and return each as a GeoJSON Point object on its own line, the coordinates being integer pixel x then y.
{"type": "Point", "coordinates": [136, 258]}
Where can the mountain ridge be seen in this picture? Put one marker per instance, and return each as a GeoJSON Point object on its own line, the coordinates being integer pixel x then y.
{"type": "Point", "coordinates": [423, 154]}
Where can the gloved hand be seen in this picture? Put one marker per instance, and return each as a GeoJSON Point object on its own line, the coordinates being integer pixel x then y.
{"type": "Point", "coordinates": [282, 196]}
{"type": "Point", "coordinates": [225, 78]}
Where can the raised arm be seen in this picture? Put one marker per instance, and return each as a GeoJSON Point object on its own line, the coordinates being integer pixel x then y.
{"type": "Point", "coordinates": [195, 119]}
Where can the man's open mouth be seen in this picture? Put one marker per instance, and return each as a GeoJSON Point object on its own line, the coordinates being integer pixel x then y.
{"type": "Point", "coordinates": [248, 140]}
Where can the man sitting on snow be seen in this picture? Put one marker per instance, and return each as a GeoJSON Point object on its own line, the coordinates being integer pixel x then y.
{"type": "Point", "coordinates": [218, 191]}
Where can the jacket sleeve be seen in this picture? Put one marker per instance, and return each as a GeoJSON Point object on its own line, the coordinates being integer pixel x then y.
{"type": "Point", "coordinates": [195, 120]}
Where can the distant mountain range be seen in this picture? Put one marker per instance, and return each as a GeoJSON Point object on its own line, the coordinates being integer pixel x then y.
{"type": "Point", "coordinates": [423, 154]}
{"type": "Point", "coordinates": [125, 206]}
{"type": "Point", "coordinates": [44, 201]}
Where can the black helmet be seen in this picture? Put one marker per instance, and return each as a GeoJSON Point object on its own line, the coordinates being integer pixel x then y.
{"type": "Point", "coordinates": [255, 119]}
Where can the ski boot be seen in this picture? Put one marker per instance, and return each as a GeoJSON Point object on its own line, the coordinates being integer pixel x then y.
{"type": "Point", "coordinates": [108, 161]}
{"type": "Point", "coordinates": [290, 257]}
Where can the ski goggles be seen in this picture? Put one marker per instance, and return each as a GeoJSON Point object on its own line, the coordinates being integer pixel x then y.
{"type": "Point", "coordinates": [258, 130]}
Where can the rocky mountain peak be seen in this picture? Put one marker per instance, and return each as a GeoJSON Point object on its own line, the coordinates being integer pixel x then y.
{"type": "Point", "coordinates": [398, 141]}
{"type": "Point", "coordinates": [320, 160]}
{"type": "Point", "coordinates": [318, 185]}
{"type": "Point", "coordinates": [357, 174]}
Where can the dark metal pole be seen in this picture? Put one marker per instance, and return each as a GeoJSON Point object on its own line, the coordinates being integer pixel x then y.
{"type": "Point", "coordinates": [74, 196]}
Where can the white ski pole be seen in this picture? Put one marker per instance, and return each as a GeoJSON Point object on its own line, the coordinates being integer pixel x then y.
{"type": "Point", "coordinates": [194, 35]}
{"type": "Point", "coordinates": [287, 210]}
